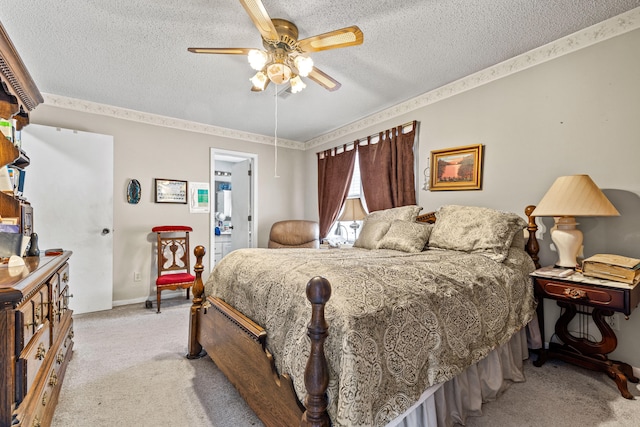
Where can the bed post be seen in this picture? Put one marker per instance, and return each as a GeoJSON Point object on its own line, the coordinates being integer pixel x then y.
{"type": "Point", "coordinates": [195, 349]}
{"type": "Point", "coordinates": [532, 246]}
{"type": "Point", "coordinates": [316, 374]}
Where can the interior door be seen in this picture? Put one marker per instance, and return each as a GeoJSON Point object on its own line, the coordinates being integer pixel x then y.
{"type": "Point", "coordinates": [241, 205]}
{"type": "Point", "coordinates": [70, 186]}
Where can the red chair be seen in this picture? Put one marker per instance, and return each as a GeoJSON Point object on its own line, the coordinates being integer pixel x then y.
{"type": "Point", "coordinates": [173, 259]}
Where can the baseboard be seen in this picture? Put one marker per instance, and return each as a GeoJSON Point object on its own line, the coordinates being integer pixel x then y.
{"type": "Point", "coordinates": [165, 295]}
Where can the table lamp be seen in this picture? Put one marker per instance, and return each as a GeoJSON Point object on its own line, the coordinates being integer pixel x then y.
{"type": "Point", "coordinates": [569, 197]}
{"type": "Point", "coordinates": [353, 211]}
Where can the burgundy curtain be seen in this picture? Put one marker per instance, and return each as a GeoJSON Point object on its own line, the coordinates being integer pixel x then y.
{"type": "Point", "coordinates": [386, 169]}
{"type": "Point", "coordinates": [334, 178]}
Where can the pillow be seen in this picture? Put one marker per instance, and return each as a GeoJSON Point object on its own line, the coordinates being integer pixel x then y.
{"type": "Point", "coordinates": [370, 236]}
{"type": "Point", "coordinates": [404, 213]}
{"type": "Point", "coordinates": [519, 241]}
{"type": "Point", "coordinates": [406, 236]}
{"type": "Point", "coordinates": [372, 232]}
{"type": "Point", "coordinates": [478, 230]}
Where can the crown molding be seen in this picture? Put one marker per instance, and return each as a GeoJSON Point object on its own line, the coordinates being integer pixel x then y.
{"type": "Point", "coordinates": [158, 120]}
{"type": "Point", "coordinates": [597, 33]}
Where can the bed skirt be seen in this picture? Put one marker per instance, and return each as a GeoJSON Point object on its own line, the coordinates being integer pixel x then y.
{"type": "Point", "coordinates": [450, 403]}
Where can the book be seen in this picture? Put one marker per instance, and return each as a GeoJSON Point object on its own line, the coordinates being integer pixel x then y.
{"type": "Point", "coordinates": [612, 267]}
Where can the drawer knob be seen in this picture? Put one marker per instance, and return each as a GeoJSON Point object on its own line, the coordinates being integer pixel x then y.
{"type": "Point", "coordinates": [575, 293]}
{"type": "Point", "coordinates": [53, 380]}
{"type": "Point", "coordinates": [44, 399]}
{"type": "Point", "coordinates": [36, 422]}
{"type": "Point", "coordinates": [41, 352]}
{"type": "Point", "coordinates": [60, 358]}
{"type": "Point", "coordinates": [65, 277]}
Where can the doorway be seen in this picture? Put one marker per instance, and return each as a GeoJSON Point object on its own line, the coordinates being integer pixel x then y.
{"type": "Point", "coordinates": [234, 194]}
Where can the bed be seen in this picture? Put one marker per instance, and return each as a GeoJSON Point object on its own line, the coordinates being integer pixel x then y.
{"type": "Point", "coordinates": [420, 322]}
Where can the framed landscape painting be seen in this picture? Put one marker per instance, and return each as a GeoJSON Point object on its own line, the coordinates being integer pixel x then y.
{"type": "Point", "coordinates": [457, 168]}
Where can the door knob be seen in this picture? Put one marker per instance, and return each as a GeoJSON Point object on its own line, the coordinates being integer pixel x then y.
{"type": "Point", "coordinates": [105, 231]}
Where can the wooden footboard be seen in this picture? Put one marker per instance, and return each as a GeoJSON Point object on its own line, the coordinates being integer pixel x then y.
{"type": "Point", "coordinates": [237, 346]}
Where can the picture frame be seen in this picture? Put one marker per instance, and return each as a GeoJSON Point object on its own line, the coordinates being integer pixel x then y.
{"type": "Point", "coordinates": [170, 191]}
{"type": "Point", "coordinates": [458, 168]}
{"type": "Point", "coordinates": [199, 197]}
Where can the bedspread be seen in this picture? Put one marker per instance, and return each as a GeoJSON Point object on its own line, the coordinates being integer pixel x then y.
{"type": "Point", "coordinates": [398, 322]}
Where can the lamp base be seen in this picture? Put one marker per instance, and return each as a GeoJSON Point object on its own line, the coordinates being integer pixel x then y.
{"type": "Point", "coordinates": [568, 241]}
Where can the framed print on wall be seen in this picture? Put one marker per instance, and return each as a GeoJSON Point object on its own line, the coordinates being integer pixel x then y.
{"type": "Point", "coordinates": [457, 168]}
{"type": "Point", "coordinates": [171, 191]}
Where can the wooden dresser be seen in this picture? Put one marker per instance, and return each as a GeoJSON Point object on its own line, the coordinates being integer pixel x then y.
{"type": "Point", "coordinates": [36, 339]}
{"type": "Point", "coordinates": [36, 328]}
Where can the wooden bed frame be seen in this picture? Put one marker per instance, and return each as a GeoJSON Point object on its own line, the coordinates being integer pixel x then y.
{"type": "Point", "coordinates": [237, 346]}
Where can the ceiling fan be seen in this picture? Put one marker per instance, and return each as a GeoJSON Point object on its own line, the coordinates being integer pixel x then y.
{"type": "Point", "coordinates": [285, 59]}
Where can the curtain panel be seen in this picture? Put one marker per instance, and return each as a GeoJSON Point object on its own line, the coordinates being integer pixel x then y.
{"type": "Point", "coordinates": [334, 178]}
{"type": "Point", "coordinates": [387, 169]}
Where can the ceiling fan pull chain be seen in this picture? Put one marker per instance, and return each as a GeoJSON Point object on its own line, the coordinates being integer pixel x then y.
{"type": "Point", "coordinates": [275, 134]}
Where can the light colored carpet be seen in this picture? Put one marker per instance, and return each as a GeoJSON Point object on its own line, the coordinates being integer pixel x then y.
{"type": "Point", "coordinates": [129, 369]}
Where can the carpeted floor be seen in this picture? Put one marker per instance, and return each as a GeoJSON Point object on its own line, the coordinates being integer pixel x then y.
{"type": "Point", "coordinates": [129, 369]}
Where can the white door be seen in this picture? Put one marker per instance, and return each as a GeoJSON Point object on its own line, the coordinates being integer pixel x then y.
{"type": "Point", "coordinates": [241, 205]}
{"type": "Point", "coordinates": [69, 183]}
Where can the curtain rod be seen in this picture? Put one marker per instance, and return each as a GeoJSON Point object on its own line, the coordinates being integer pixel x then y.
{"type": "Point", "coordinates": [359, 140]}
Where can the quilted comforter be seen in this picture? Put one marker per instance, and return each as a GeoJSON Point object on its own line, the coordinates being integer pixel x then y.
{"type": "Point", "coordinates": [398, 322]}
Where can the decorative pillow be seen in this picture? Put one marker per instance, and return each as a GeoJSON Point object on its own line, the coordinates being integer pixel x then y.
{"type": "Point", "coordinates": [406, 236]}
{"type": "Point", "coordinates": [478, 230]}
{"type": "Point", "coordinates": [370, 236]}
{"type": "Point", "coordinates": [519, 241]}
{"type": "Point", "coordinates": [404, 213]}
{"type": "Point", "coordinates": [371, 233]}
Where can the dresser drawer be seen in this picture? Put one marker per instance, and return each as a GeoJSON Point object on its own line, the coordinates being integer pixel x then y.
{"type": "Point", "coordinates": [39, 406]}
{"type": "Point", "coordinates": [63, 276]}
{"type": "Point", "coordinates": [30, 317]}
{"type": "Point", "coordinates": [601, 297]}
{"type": "Point", "coordinates": [31, 359]}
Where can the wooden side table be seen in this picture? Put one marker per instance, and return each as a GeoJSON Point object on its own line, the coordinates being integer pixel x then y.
{"type": "Point", "coordinates": [574, 294]}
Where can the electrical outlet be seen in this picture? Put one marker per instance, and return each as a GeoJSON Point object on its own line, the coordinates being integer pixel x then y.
{"type": "Point", "coordinates": [614, 321]}
{"type": "Point", "coordinates": [137, 276]}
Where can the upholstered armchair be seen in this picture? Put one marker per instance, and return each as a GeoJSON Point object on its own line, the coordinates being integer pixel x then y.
{"type": "Point", "coordinates": [295, 234]}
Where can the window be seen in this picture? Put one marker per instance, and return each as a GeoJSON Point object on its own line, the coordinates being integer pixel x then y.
{"type": "Point", "coordinates": [355, 191]}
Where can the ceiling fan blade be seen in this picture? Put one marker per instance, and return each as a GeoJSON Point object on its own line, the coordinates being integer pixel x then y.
{"type": "Point", "coordinates": [324, 80]}
{"type": "Point", "coordinates": [349, 36]}
{"type": "Point", "coordinates": [222, 50]}
{"type": "Point", "coordinates": [260, 18]}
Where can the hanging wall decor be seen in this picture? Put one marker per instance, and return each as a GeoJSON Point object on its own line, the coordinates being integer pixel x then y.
{"type": "Point", "coordinates": [171, 191]}
{"type": "Point", "coordinates": [134, 191]}
{"type": "Point", "coordinates": [457, 168]}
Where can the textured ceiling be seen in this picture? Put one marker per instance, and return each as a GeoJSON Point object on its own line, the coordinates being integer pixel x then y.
{"type": "Point", "coordinates": [133, 54]}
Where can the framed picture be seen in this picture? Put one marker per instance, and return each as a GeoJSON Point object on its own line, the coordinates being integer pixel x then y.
{"type": "Point", "coordinates": [457, 168]}
{"type": "Point", "coordinates": [171, 191]}
{"type": "Point", "coordinates": [199, 197]}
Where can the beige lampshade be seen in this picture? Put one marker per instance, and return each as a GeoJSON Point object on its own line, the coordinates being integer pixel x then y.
{"type": "Point", "coordinates": [353, 211]}
{"type": "Point", "coordinates": [574, 195]}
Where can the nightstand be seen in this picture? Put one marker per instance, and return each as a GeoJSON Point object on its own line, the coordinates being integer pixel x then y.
{"type": "Point", "coordinates": [598, 298]}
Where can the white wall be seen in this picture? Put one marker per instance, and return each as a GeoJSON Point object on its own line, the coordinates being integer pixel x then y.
{"type": "Point", "coordinates": [578, 113]}
{"type": "Point", "coordinates": [144, 152]}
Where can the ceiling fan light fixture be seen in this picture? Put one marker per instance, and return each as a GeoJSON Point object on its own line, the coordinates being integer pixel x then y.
{"type": "Point", "coordinates": [297, 84]}
{"type": "Point", "coordinates": [304, 65]}
{"type": "Point", "coordinates": [259, 81]}
{"type": "Point", "coordinates": [257, 59]}
{"type": "Point", "coordinates": [279, 73]}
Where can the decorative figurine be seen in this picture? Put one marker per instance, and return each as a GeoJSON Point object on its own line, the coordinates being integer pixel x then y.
{"type": "Point", "coordinates": [33, 250]}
